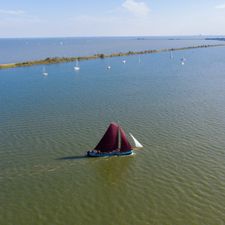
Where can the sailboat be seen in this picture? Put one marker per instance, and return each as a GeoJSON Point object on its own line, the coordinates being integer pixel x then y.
{"type": "Point", "coordinates": [182, 60]}
{"type": "Point", "coordinates": [44, 73]}
{"type": "Point", "coordinates": [77, 68]}
{"type": "Point", "coordinates": [171, 55]}
{"type": "Point", "coordinates": [124, 61]}
{"type": "Point", "coordinates": [108, 65]}
{"type": "Point", "coordinates": [114, 143]}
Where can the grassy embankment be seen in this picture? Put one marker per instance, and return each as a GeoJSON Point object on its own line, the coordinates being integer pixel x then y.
{"type": "Point", "coordinates": [55, 60]}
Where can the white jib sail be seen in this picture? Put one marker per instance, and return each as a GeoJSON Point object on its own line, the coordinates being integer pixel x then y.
{"type": "Point", "coordinates": [137, 144]}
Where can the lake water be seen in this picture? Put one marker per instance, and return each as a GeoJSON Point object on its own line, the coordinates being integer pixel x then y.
{"type": "Point", "coordinates": [177, 112]}
{"type": "Point", "coordinates": [23, 49]}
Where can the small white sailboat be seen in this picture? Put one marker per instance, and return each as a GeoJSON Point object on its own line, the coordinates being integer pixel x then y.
{"type": "Point", "coordinates": [124, 61]}
{"type": "Point", "coordinates": [182, 61]}
{"type": "Point", "coordinates": [44, 73]}
{"type": "Point", "coordinates": [77, 68]}
{"type": "Point", "coordinates": [108, 67]}
{"type": "Point", "coordinates": [137, 144]}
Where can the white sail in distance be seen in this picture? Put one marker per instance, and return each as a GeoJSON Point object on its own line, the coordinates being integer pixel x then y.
{"type": "Point", "coordinates": [77, 66]}
{"type": "Point", "coordinates": [44, 72]}
{"type": "Point", "coordinates": [137, 144]}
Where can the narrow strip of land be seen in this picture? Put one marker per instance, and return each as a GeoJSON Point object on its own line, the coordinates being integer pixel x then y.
{"type": "Point", "coordinates": [55, 60]}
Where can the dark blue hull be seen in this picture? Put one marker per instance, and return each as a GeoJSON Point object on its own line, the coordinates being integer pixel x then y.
{"type": "Point", "coordinates": [106, 154]}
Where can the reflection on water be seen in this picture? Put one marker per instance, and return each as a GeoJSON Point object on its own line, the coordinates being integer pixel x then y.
{"type": "Point", "coordinates": [113, 170]}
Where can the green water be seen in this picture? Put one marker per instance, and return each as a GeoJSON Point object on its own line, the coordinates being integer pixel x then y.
{"type": "Point", "coordinates": [177, 112]}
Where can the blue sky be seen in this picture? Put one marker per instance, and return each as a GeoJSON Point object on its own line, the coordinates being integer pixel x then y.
{"type": "Point", "coordinates": [29, 18]}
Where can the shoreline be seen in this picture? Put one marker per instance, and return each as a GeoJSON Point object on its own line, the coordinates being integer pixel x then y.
{"type": "Point", "coordinates": [55, 60]}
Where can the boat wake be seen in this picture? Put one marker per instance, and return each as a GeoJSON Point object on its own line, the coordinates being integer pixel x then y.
{"type": "Point", "coordinates": [73, 157]}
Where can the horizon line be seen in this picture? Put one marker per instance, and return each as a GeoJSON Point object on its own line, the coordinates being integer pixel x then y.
{"type": "Point", "coordinates": [114, 36]}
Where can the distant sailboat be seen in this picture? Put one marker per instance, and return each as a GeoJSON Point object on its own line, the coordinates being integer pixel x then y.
{"type": "Point", "coordinates": [182, 61]}
{"type": "Point", "coordinates": [124, 61]}
{"type": "Point", "coordinates": [44, 73]}
{"type": "Point", "coordinates": [114, 143]}
{"type": "Point", "coordinates": [77, 68]}
{"type": "Point", "coordinates": [108, 65]}
{"type": "Point", "coordinates": [171, 54]}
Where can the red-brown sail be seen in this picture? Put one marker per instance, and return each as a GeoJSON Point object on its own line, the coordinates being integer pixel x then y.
{"type": "Point", "coordinates": [125, 145]}
{"type": "Point", "coordinates": [109, 141]}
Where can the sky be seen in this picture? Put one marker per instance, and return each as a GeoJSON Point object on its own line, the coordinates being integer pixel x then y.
{"type": "Point", "coordinates": [71, 18]}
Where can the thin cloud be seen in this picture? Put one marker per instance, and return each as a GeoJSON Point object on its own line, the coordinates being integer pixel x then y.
{"type": "Point", "coordinates": [220, 6]}
{"type": "Point", "coordinates": [12, 12]}
{"type": "Point", "coordinates": [136, 7]}
{"type": "Point", "coordinates": [11, 20]}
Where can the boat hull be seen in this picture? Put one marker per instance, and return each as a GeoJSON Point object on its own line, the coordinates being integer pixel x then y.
{"type": "Point", "coordinates": [107, 154]}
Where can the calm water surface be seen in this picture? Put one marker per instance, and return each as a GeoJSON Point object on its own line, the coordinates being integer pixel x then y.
{"type": "Point", "coordinates": [23, 49]}
{"type": "Point", "coordinates": [177, 112]}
